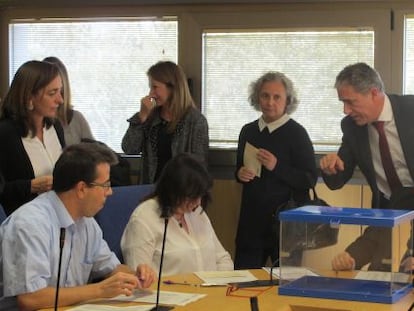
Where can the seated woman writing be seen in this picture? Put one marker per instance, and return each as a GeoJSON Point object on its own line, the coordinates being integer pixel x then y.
{"type": "Point", "coordinates": [191, 243]}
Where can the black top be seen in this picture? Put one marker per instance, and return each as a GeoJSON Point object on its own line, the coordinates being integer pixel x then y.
{"type": "Point", "coordinates": [293, 149]}
{"type": "Point", "coordinates": [164, 152]}
{"type": "Point", "coordinates": [15, 165]}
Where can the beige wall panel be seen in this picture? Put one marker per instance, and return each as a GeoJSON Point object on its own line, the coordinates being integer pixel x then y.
{"type": "Point", "coordinates": [348, 196]}
{"type": "Point", "coordinates": [347, 234]}
{"type": "Point", "coordinates": [224, 211]}
{"type": "Point", "coordinates": [366, 196]}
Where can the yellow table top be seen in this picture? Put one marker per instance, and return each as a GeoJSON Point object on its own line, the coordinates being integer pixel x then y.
{"type": "Point", "coordinates": [268, 299]}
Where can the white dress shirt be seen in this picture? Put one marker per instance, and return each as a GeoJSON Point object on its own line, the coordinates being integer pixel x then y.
{"type": "Point", "coordinates": [394, 144]}
{"type": "Point", "coordinates": [29, 252]}
{"type": "Point", "coordinates": [197, 250]}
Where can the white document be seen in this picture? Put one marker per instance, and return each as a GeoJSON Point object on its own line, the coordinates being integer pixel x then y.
{"type": "Point", "coordinates": [250, 159]}
{"type": "Point", "coordinates": [166, 298]}
{"type": "Point", "coordinates": [383, 276]}
{"type": "Point", "coordinates": [291, 273]}
{"type": "Point", "coordinates": [225, 277]}
{"type": "Point", "coordinates": [93, 307]}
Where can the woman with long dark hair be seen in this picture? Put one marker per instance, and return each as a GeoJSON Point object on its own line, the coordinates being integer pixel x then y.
{"type": "Point", "coordinates": [180, 195]}
{"type": "Point", "coordinates": [31, 137]}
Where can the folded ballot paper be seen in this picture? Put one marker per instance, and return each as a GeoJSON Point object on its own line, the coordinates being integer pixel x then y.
{"type": "Point", "coordinates": [250, 159]}
{"type": "Point", "coordinates": [225, 277]}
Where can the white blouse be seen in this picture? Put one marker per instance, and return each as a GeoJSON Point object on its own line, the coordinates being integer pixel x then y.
{"type": "Point", "coordinates": [43, 156]}
{"type": "Point", "coordinates": [198, 250]}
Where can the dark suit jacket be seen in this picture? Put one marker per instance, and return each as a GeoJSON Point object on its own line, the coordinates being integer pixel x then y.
{"type": "Point", "coordinates": [15, 166]}
{"type": "Point", "coordinates": [374, 245]}
{"type": "Point", "coordinates": [355, 150]}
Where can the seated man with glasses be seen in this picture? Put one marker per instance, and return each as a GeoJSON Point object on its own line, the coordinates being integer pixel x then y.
{"type": "Point", "coordinates": [61, 221]}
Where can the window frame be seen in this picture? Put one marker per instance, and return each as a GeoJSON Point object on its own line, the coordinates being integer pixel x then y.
{"type": "Point", "coordinates": [398, 43]}
{"type": "Point", "coordinates": [312, 20]}
{"type": "Point", "coordinates": [121, 81]}
{"type": "Point", "coordinates": [323, 144]}
{"type": "Point", "coordinates": [192, 20]}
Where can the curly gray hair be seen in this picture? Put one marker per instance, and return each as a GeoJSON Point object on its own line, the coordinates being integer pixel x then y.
{"type": "Point", "coordinates": [292, 101]}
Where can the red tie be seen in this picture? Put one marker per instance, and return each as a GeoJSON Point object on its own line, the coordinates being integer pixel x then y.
{"type": "Point", "coordinates": [389, 169]}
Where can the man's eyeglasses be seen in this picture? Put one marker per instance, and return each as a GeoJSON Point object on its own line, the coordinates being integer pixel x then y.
{"type": "Point", "coordinates": [105, 185]}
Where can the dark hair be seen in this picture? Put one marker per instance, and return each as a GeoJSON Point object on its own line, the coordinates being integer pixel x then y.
{"type": "Point", "coordinates": [29, 79]}
{"type": "Point", "coordinates": [78, 163]}
{"type": "Point", "coordinates": [120, 172]}
{"type": "Point", "coordinates": [183, 177]}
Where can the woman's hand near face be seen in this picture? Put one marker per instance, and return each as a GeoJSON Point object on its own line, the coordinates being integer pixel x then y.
{"type": "Point", "coordinates": [147, 106]}
{"type": "Point", "coordinates": [41, 184]}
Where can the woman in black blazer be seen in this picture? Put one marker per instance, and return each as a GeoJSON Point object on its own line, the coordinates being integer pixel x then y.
{"type": "Point", "coordinates": [30, 137]}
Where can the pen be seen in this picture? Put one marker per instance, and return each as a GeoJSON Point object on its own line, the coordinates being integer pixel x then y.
{"type": "Point", "coordinates": [169, 282]}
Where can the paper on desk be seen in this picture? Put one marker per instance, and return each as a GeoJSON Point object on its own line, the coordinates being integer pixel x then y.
{"type": "Point", "coordinates": [166, 298]}
{"type": "Point", "coordinates": [93, 307]}
{"type": "Point", "coordinates": [250, 159]}
{"type": "Point", "coordinates": [383, 276]}
{"type": "Point", "coordinates": [291, 273]}
{"type": "Point", "coordinates": [225, 277]}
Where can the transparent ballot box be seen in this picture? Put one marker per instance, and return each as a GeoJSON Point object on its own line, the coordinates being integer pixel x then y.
{"type": "Point", "coordinates": [379, 241]}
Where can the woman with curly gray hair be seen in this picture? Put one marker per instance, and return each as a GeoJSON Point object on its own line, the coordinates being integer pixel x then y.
{"type": "Point", "coordinates": [273, 76]}
{"type": "Point", "coordinates": [284, 150]}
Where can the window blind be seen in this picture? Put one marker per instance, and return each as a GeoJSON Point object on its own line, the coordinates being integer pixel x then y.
{"type": "Point", "coordinates": [107, 63]}
{"type": "Point", "coordinates": [311, 59]}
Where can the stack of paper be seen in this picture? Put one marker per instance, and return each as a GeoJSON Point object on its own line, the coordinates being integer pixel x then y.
{"type": "Point", "coordinates": [166, 298]}
{"type": "Point", "coordinates": [225, 277]}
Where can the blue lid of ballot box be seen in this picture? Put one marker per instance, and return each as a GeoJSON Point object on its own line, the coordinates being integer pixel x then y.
{"type": "Point", "coordinates": [346, 289]}
{"type": "Point", "coordinates": [347, 215]}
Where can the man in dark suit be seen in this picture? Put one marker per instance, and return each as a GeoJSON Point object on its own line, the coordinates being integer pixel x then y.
{"type": "Point", "coordinates": [366, 104]}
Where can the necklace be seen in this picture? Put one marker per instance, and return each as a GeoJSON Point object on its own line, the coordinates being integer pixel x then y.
{"type": "Point", "coordinates": [180, 221]}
